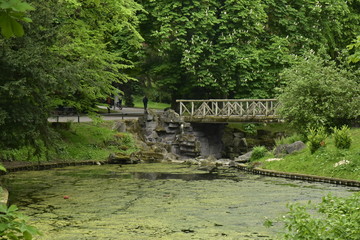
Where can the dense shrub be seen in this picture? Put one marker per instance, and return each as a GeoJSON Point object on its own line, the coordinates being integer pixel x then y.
{"type": "Point", "coordinates": [318, 93]}
{"type": "Point", "coordinates": [258, 152]}
{"type": "Point", "coordinates": [13, 224]}
{"type": "Point", "coordinates": [342, 137]}
{"type": "Point", "coordinates": [316, 138]}
{"type": "Point", "coordinates": [336, 218]}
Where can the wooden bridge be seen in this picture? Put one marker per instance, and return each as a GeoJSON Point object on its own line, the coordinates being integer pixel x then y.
{"type": "Point", "coordinates": [229, 110]}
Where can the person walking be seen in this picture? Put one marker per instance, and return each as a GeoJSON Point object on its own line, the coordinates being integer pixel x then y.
{"type": "Point", "coordinates": [119, 104]}
{"type": "Point", "coordinates": [145, 102]}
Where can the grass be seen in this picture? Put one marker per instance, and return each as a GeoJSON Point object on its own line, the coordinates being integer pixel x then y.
{"type": "Point", "coordinates": [271, 127]}
{"type": "Point", "coordinates": [155, 105]}
{"type": "Point", "coordinates": [323, 161]}
{"type": "Point", "coordinates": [79, 142]}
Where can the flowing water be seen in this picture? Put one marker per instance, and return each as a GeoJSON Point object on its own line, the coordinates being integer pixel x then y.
{"type": "Point", "coordinates": [156, 201]}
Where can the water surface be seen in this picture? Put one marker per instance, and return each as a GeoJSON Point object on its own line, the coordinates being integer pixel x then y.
{"type": "Point", "coordinates": [156, 201]}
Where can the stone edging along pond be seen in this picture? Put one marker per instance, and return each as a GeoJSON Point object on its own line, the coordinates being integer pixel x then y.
{"type": "Point", "coordinates": [46, 166]}
{"type": "Point", "coordinates": [243, 167]}
{"type": "Point", "coordinates": [298, 176]}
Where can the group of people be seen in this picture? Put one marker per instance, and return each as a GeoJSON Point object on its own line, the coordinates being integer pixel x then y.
{"type": "Point", "coordinates": [110, 103]}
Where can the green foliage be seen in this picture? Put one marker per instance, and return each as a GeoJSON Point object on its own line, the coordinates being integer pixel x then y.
{"type": "Point", "coordinates": [258, 152]}
{"type": "Point", "coordinates": [11, 12]}
{"type": "Point", "coordinates": [2, 168]}
{"type": "Point", "coordinates": [325, 161]}
{"type": "Point", "coordinates": [92, 141]}
{"type": "Point", "coordinates": [217, 49]}
{"type": "Point", "coordinates": [289, 140]}
{"type": "Point", "coordinates": [355, 46]}
{"type": "Point", "coordinates": [195, 41]}
{"type": "Point", "coordinates": [13, 224]}
{"type": "Point", "coordinates": [79, 142]}
{"type": "Point", "coordinates": [318, 94]}
{"type": "Point", "coordinates": [73, 53]}
{"type": "Point", "coordinates": [335, 218]}
{"type": "Point", "coordinates": [342, 137]}
{"type": "Point", "coordinates": [250, 128]}
{"type": "Point", "coordinates": [126, 143]}
{"type": "Point", "coordinates": [316, 138]}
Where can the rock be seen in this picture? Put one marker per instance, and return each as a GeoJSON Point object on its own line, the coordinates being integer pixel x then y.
{"type": "Point", "coordinates": [223, 162]}
{"type": "Point", "coordinates": [150, 156]}
{"type": "Point", "coordinates": [285, 149]}
{"type": "Point", "coordinates": [239, 134]}
{"type": "Point", "coordinates": [243, 158]}
{"type": "Point", "coordinates": [273, 159]}
{"type": "Point", "coordinates": [192, 161]}
{"type": "Point", "coordinates": [342, 162]}
{"type": "Point", "coordinates": [209, 161]}
{"type": "Point", "coordinates": [4, 195]}
{"type": "Point", "coordinates": [296, 146]}
{"type": "Point", "coordinates": [118, 158]}
{"type": "Point", "coordinates": [170, 116]}
{"type": "Point", "coordinates": [152, 137]}
{"type": "Point", "coordinates": [120, 126]}
{"type": "Point", "coordinates": [171, 157]}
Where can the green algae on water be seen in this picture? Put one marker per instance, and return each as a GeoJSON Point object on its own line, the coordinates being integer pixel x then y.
{"type": "Point", "coordinates": [155, 201]}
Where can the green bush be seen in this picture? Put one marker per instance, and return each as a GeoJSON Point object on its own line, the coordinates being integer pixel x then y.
{"type": "Point", "coordinates": [334, 218]}
{"type": "Point", "coordinates": [250, 128]}
{"type": "Point", "coordinates": [13, 224]}
{"type": "Point", "coordinates": [258, 152]}
{"type": "Point", "coordinates": [2, 168]}
{"type": "Point", "coordinates": [342, 137]}
{"type": "Point", "coordinates": [289, 140]}
{"type": "Point", "coordinates": [318, 93]}
{"type": "Point", "coordinates": [316, 138]}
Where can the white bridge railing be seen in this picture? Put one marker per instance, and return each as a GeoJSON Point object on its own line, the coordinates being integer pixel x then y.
{"type": "Point", "coordinates": [228, 107]}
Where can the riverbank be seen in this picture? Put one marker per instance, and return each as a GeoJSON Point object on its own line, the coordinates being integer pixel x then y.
{"type": "Point", "coordinates": [328, 161]}
{"type": "Point", "coordinates": [91, 143]}
{"type": "Point", "coordinates": [157, 201]}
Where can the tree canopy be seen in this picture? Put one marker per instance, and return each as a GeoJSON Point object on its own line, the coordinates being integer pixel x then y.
{"type": "Point", "coordinates": [71, 55]}
{"type": "Point", "coordinates": [77, 52]}
{"type": "Point", "coordinates": [212, 49]}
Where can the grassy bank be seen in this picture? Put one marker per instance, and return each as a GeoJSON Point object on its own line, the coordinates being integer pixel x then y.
{"type": "Point", "coordinates": [324, 162]}
{"type": "Point", "coordinates": [151, 104]}
{"type": "Point", "coordinates": [78, 142]}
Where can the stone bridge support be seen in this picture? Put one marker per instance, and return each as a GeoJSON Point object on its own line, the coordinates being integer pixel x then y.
{"type": "Point", "coordinates": [184, 139]}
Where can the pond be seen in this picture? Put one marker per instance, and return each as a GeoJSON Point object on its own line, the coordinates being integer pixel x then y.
{"type": "Point", "coordinates": [156, 201]}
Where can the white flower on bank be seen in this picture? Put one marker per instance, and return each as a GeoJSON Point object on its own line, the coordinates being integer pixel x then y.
{"type": "Point", "coordinates": [342, 162]}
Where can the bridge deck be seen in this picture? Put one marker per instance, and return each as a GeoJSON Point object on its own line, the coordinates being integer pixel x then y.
{"type": "Point", "coordinates": [229, 110]}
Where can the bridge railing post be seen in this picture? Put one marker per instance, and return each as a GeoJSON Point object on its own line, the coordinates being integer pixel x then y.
{"type": "Point", "coordinates": [181, 109]}
{"type": "Point", "coordinates": [192, 108]}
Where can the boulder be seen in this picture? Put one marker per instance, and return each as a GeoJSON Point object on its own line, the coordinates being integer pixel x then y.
{"type": "Point", "coordinates": [118, 158]}
{"type": "Point", "coordinates": [243, 158]}
{"type": "Point", "coordinates": [285, 149]}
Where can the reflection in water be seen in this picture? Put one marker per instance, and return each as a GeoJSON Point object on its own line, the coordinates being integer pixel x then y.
{"type": "Point", "coordinates": [156, 201]}
{"type": "Point", "coordinates": [186, 177]}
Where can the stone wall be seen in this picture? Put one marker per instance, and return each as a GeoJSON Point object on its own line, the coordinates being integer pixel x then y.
{"type": "Point", "coordinates": [190, 140]}
{"type": "Point", "coordinates": [168, 129]}
{"type": "Point", "coordinates": [237, 142]}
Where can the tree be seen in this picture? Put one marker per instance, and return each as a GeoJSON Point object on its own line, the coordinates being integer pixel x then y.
{"type": "Point", "coordinates": [318, 93]}
{"type": "Point", "coordinates": [204, 49]}
{"type": "Point", "coordinates": [212, 49]}
{"type": "Point", "coordinates": [69, 56]}
{"type": "Point", "coordinates": [355, 46]}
